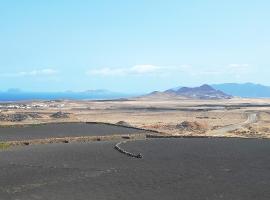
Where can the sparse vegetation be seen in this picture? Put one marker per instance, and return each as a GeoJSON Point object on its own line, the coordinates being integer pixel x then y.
{"type": "Point", "coordinates": [200, 117]}
{"type": "Point", "coordinates": [4, 145]}
{"type": "Point", "coordinates": [192, 127]}
{"type": "Point", "coordinates": [60, 115]}
{"type": "Point", "coordinates": [17, 117]}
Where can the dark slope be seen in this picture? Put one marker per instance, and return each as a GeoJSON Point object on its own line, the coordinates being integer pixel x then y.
{"type": "Point", "coordinates": [202, 92]}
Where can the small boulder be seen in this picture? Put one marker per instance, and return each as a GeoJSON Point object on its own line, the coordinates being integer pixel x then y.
{"type": "Point", "coordinates": [123, 123]}
{"type": "Point", "coordinates": [17, 117]}
{"type": "Point", "coordinates": [191, 126]}
{"type": "Point", "coordinates": [60, 115]}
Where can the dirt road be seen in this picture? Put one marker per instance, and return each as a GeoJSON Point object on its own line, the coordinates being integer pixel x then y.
{"type": "Point", "coordinates": [223, 131]}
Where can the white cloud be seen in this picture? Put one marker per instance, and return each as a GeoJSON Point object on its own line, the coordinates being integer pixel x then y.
{"type": "Point", "coordinates": [238, 69]}
{"type": "Point", "coordinates": [134, 70]}
{"type": "Point", "coordinates": [40, 72]}
{"type": "Point", "coordinates": [186, 70]}
{"type": "Point", "coordinates": [145, 69]}
{"type": "Point", "coordinates": [230, 69]}
{"type": "Point", "coordinates": [106, 71]}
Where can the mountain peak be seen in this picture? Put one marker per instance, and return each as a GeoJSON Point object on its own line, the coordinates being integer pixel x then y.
{"type": "Point", "coordinates": [202, 92]}
{"type": "Point", "coordinates": [206, 87]}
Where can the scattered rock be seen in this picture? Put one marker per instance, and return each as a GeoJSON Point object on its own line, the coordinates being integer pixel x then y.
{"type": "Point", "coordinates": [34, 115]}
{"type": "Point", "coordinates": [60, 115]}
{"type": "Point", "coordinates": [123, 123]}
{"type": "Point", "coordinates": [17, 117]}
{"type": "Point", "coordinates": [159, 126]}
{"type": "Point", "coordinates": [118, 148]}
{"type": "Point", "coordinates": [191, 126]}
{"type": "Point", "coordinates": [251, 131]}
{"type": "Point", "coordinates": [246, 133]}
{"type": "Point", "coordinates": [264, 129]}
{"type": "Point", "coordinates": [202, 117]}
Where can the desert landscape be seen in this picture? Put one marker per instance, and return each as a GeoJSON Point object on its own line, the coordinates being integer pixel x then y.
{"type": "Point", "coordinates": [134, 100]}
{"type": "Point", "coordinates": [144, 147]}
{"type": "Point", "coordinates": [234, 117]}
{"type": "Point", "coordinates": [192, 142]}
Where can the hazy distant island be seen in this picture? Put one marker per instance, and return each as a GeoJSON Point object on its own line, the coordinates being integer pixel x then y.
{"type": "Point", "coordinates": [19, 95]}
{"type": "Point", "coordinates": [226, 90]}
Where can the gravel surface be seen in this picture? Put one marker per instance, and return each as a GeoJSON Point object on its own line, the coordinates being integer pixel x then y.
{"type": "Point", "coordinates": [186, 169]}
{"type": "Point", "coordinates": [62, 130]}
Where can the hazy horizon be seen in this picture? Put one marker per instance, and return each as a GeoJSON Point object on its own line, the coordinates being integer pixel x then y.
{"type": "Point", "coordinates": [15, 90]}
{"type": "Point", "coordinates": [127, 46]}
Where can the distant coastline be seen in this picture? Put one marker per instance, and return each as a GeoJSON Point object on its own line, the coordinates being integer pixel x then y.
{"type": "Point", "coordinates": [244, 90]}
{"type": "Point", "coordinates": [93, 95]}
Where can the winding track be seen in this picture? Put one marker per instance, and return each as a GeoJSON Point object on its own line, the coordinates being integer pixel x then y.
{"type": "Point", "coordinates": [251, 118]}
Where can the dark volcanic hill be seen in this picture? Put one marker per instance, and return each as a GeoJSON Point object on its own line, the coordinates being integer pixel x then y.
{"type": "Point", "coordinates": [202, 92]}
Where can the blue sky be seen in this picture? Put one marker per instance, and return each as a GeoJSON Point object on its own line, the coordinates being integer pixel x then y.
{"type": "Point", "coordinates": [132, 46]}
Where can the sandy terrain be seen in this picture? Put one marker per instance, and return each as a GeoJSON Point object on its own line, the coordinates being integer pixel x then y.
{"type": "Point", "coordinates": [163, 115]}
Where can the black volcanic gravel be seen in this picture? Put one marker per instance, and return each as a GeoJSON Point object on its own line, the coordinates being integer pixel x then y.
{"type": "Point", "coordinates": [173, 169]}
{"type": "Point", "coordinates": [62, 130]}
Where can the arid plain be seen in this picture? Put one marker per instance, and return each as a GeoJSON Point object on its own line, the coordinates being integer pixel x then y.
{"type": "Point", "coordinates": [68, 149]}
{"type": "Point", "coordinates": [236, 117]}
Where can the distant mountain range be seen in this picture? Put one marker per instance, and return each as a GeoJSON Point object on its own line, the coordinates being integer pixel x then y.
{"type": "Point", "coordinates": [249, 90]}
{"type": "Point", "coordinates": [215, 91]}
{"type": "Point", "coordinates": [203, 92]}
{"type": "Point", "coordinates": [245, 90]}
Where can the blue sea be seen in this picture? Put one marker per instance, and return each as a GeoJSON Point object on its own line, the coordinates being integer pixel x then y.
{"type": "Point", "coordinates": [20, 96]}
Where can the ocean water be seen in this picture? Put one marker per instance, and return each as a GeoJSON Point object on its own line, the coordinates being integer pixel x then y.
{"type": "Point", "coordinates": [7, 96]}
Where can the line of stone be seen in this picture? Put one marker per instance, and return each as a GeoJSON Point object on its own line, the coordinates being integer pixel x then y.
{"type": "Point", "coordinates": [82, 139]}
{"type": "Point", "coordinates": [118, 148]}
